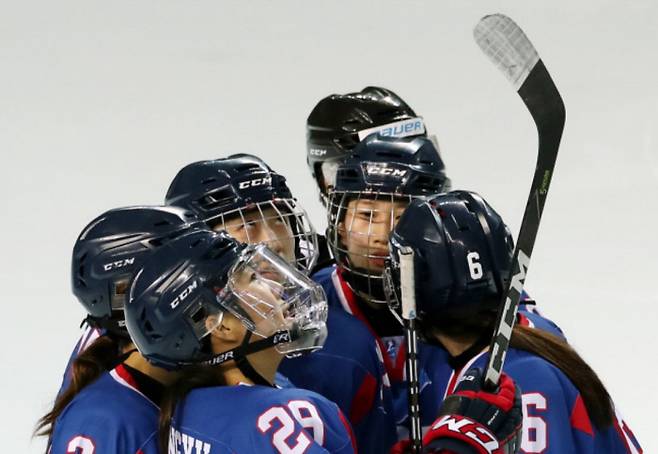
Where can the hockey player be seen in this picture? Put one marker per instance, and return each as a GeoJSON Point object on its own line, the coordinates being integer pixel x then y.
{"type": "Point", "coordinates": [105, 256]}
{"type": "Point", "coordinates": [339, 122]}
{"type": "Point", "coordinates": [110, 398]}
{"type": "Point", "coordinates": [372, 188]}
{"type": "Point", "coordinates": [244, 197]}
{"type": "Point", "coordinates": [226, 314]}
{"type": "Point", "coordinates": [234, 311]}
{"type": "Point", "coordinates": [463, 255]}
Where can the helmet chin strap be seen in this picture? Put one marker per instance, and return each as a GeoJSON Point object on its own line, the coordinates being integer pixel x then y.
{"type": "Point", "coordinates": [240, 353]}
{"type": "Point", "coordinates": [245, 366]}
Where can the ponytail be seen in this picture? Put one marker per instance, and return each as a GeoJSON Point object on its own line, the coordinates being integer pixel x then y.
{"type": "Point", "coordinates": [559, 353]}
{"type": "Point", "coordinates": [99, 357]}
{"type": "Point", "coordinates": [547, 346]}
{"type": "Point", "coordinates": [192, 377]}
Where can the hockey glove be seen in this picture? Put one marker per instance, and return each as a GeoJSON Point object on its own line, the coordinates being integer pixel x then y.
{"type": "Point", "coordinates": [473, 421]}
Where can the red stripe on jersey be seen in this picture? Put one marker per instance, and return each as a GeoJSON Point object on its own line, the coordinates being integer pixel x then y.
{"type": "Point", "coordinates": [579, 418]}
{"type": "Point", "coordinates": [349, 430]}
{"type": "Point", "coordinates": [123, 373]}
{"type": "Point", "coordinates": [622, 436]}
{"type": "Point", "coordinates": [631, 436]}
{"type": "Point", "coordinates": [363, 399]}
{"type": "Point", "coordinates": [349, 304]}
{"type": "Point", "coordinates": [522, 320]}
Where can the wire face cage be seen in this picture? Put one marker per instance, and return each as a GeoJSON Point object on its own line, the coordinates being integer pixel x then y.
{"type": "Point", "coordinates": [279, 223]}
{"type": "Point", "coordinates": [360, 223]}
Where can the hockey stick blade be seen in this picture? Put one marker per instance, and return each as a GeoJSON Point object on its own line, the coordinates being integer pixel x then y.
{"type": "Point", "coordinates": [512, 52]}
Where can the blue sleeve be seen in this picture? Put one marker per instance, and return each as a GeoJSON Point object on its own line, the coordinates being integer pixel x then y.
{"type": "Point", "coordinates": [555, 418]}
{"type": "Point", "coordinates": [540, 322]}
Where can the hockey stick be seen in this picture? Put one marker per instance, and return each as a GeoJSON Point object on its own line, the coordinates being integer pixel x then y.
{"type": "Point", "coordinates": [510, 49]}
{"type": "Point", "coordinates": [408, 294]}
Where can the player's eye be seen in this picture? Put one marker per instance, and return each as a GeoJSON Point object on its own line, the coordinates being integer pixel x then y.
{"type": "Point", "coordinates": [365, 215]}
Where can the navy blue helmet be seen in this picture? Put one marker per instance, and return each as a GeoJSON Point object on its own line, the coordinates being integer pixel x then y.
{"type": "Point", "coordinates": [373, 185]}
{"type": "Point", "coordinates": [214, 187]}
{"type": "Point", "coordinates": [338, 122]}
{"type": "Point", "coordinates": [183, 292]}
{"type": "Point", "coordinates": [244, 196]}
{"type": "Point", "coordinates": [111, 249]}
{"type": "Point", "coordinates": [405, 166]}
{"type": "Point", "coordinates": [462, 256]}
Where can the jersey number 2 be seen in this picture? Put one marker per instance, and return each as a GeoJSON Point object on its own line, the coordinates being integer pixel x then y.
{"type": "Point", "coordinates": [80, 445]}
{"type": "Point", "coordinates": [301, 411]}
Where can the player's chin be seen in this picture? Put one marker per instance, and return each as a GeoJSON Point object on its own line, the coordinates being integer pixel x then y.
{"type": "Point", "coordinates": [376, 264]}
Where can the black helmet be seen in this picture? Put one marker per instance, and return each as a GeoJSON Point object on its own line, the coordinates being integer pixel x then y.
{"type": "Point", "coordinates": [223, 189]}
{"type": "Point", "coordinates": [373, 185]}
{"type": "Point", "coordinates": [339, 122]}
{"type": "Point", "coordinates": [111, 249]}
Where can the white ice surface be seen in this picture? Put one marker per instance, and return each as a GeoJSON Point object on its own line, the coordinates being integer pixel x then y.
{"type": "Point", "coordinates": [102, 102]}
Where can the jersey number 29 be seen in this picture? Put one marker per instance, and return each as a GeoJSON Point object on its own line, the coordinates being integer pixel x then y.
{"type": "Point", "coordinates": [286, 437]}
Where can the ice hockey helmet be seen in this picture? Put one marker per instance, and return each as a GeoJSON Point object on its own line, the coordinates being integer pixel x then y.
{"type": "Point", "coordinates": [110, 250]}
{"type": "Point", "coordinates": [462, 255]}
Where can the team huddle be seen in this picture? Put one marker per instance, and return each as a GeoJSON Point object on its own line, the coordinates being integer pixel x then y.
{"type": "Point", "coordinates": [221, 322]}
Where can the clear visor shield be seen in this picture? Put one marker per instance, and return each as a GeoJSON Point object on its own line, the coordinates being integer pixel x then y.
{"type": "Point", "coordinates": [280, 223]}
{"type": "Point", "coordinates": [269, 296]}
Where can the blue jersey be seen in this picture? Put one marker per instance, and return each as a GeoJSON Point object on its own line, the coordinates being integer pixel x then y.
{"type": "Point", "coordinates": [433, 368]}
{"type": "Point", "coordinates": [555, 419]}
{"type": "Point", "coordinates": [110, 415]}
{"type": "Point", "coordinates": [243, 419]}
{"type": "Point", "coordinates": [349, 371]}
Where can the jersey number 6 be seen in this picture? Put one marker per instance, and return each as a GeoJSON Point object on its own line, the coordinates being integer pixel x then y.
{"type": "Point", "coordinates": [301, 411]}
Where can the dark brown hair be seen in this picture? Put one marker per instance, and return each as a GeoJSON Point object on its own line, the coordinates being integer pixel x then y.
{"type": "Point", "coordinates": [191, 377]}
{"type": "Point", "coordinates": [549, 347]}
{"type": "Point", "coordinates": [99, 357]}
{"type": "Point", "coordinates": [559, 353]}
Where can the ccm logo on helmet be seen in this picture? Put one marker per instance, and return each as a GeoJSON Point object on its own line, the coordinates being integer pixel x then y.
{"type": "Point", "coordinates": [317, 152]}
{"type": "Point", "coordinates": [119, 264]}
{"type": "Point", "coordinates": [386, 171]}
{"type": "Point", "coordinates": [255, 182]}
{"type": "Point", "coordinates": [470, 429]}
{"type": "Point", "coordinates": [184, 294]}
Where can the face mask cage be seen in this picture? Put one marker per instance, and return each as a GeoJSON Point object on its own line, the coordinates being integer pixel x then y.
{"type": "Point", "coordinates": [360, 224]}
{"type": "Point", "coordinates": [268, 296]}
{"type": "Point", "coordinates": [281, 224]}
